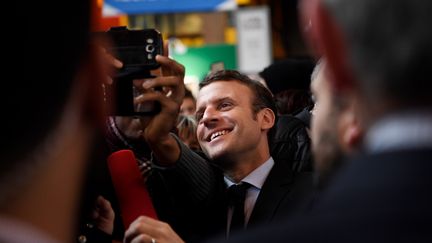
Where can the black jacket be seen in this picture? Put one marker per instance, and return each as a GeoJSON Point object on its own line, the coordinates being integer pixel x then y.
{"type": "Point", "coordinates": [291, 143]}
{"type": "Point", "coordinates": [374, 198]}
{"type": "Point", "coordinates": [197, 189]}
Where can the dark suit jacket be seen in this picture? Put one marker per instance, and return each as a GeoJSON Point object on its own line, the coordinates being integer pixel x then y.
{"type": "Point", "coordinates": [282, 194]}
{"type": "Point", "coordinates": [198, 187]}
{"type": "Point", "coordinates": [376, 198]}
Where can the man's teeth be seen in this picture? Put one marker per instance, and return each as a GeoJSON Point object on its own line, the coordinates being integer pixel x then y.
{"type": "Point", "coordinates": [217, 134]}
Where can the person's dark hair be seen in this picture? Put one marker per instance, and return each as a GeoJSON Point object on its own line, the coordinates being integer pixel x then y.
{"type": "Point", "coordinates": [292, 73]}
{"type": "Point", "coordinates": [46, 42]}
{"type": "Point", "coordinates": [292, 101]}
{"type": "Point", "coordinates": [188, 94]}
{"type": "Point", "coordinates": [389, 47]}
{"type": "Point", "coordinates": [262, 96]}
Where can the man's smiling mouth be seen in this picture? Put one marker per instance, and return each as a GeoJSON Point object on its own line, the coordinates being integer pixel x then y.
{"type": "Point", "coordinates": [218, 134]}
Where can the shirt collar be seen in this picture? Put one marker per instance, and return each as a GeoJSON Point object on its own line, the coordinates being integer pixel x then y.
{"type": "Point", "coordinates": [257, 177]}
{"type": "Point", "coordinates": [15, 231]}
{"type": "Point", "coordinates": [400, 131]}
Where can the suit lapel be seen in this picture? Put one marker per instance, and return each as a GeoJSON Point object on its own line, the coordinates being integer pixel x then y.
{"type": "Point", "coordinates": [275, 189]}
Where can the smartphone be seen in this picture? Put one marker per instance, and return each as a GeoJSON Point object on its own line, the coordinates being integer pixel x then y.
{"type": "Point", "coordinates": [137, 49]}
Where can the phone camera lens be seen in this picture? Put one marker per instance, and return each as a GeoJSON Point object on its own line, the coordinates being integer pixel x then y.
{"type": "Point", "coordinates": [150, 48]}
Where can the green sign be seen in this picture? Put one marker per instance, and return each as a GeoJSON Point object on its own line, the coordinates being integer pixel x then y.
{"type": "Point", "coordinates": [199, 60]}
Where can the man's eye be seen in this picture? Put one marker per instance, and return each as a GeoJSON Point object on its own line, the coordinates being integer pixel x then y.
{"type": "Point", "coordinates": [225, 105]}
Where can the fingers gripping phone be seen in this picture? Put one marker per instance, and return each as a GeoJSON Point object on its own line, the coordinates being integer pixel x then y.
{"type": "Point", "coordinates": [137, 49]}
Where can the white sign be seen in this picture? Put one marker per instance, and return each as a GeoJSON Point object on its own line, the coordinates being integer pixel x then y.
{"type": "Point", "coordinates": [254, 39]}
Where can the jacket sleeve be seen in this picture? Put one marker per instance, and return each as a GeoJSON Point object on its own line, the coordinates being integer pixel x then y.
{"type": "Point", "coordinates": [185, 195]}
{"type": "Point", "coordinates": [192, 175]}
{"type": "Point", "coordinates": [292, 144]}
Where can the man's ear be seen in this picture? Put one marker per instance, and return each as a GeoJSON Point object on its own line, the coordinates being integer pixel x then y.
{"type": "Point", "coordinates": [350, 130]}
{"type": "Point", "coordinates": [354, 136]}
{"type": "Point", "coordinates": [268, 118]}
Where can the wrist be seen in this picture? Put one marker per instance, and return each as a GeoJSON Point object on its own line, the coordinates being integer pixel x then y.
{"type": "Point", "coordinates": [166, 150]}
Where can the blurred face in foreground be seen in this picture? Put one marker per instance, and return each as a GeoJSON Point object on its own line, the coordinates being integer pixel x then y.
{"type": "Point", "coordinates": [335, 128]}
{"type": "Point", "coordinates": [324, 125]}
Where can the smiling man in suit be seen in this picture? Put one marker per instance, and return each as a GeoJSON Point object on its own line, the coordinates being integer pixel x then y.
{"type": "Point", "coordinates": [235, 127]}
{"type": "Point", "coordinates": [235, 119]}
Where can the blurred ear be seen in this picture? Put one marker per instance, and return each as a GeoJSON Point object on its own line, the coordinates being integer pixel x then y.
{"type": "Point", "coordinates": [354, 136]}
{"type": "Point", "coordinates": [350, 130]}
{"type": "Point", "coordinates": [268, 118]}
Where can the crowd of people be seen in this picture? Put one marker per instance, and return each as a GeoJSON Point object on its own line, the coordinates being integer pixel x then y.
{"type": "Point", "coordinates": [347, 160]}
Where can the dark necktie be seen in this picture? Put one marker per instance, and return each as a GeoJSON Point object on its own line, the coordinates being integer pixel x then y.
{"type": "Point", "coordinates": [236, 198]}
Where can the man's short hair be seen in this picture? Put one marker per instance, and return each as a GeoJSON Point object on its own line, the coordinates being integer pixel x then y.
{"type": "Point", "coordinates": [262, 97]}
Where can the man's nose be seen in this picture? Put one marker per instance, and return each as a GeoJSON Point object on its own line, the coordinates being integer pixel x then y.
{"type": "Point", "coordinates": [210, 116]}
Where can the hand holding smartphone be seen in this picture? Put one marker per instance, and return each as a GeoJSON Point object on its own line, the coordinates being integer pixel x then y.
{"type": "Point", "coordinates": [137, 50]}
